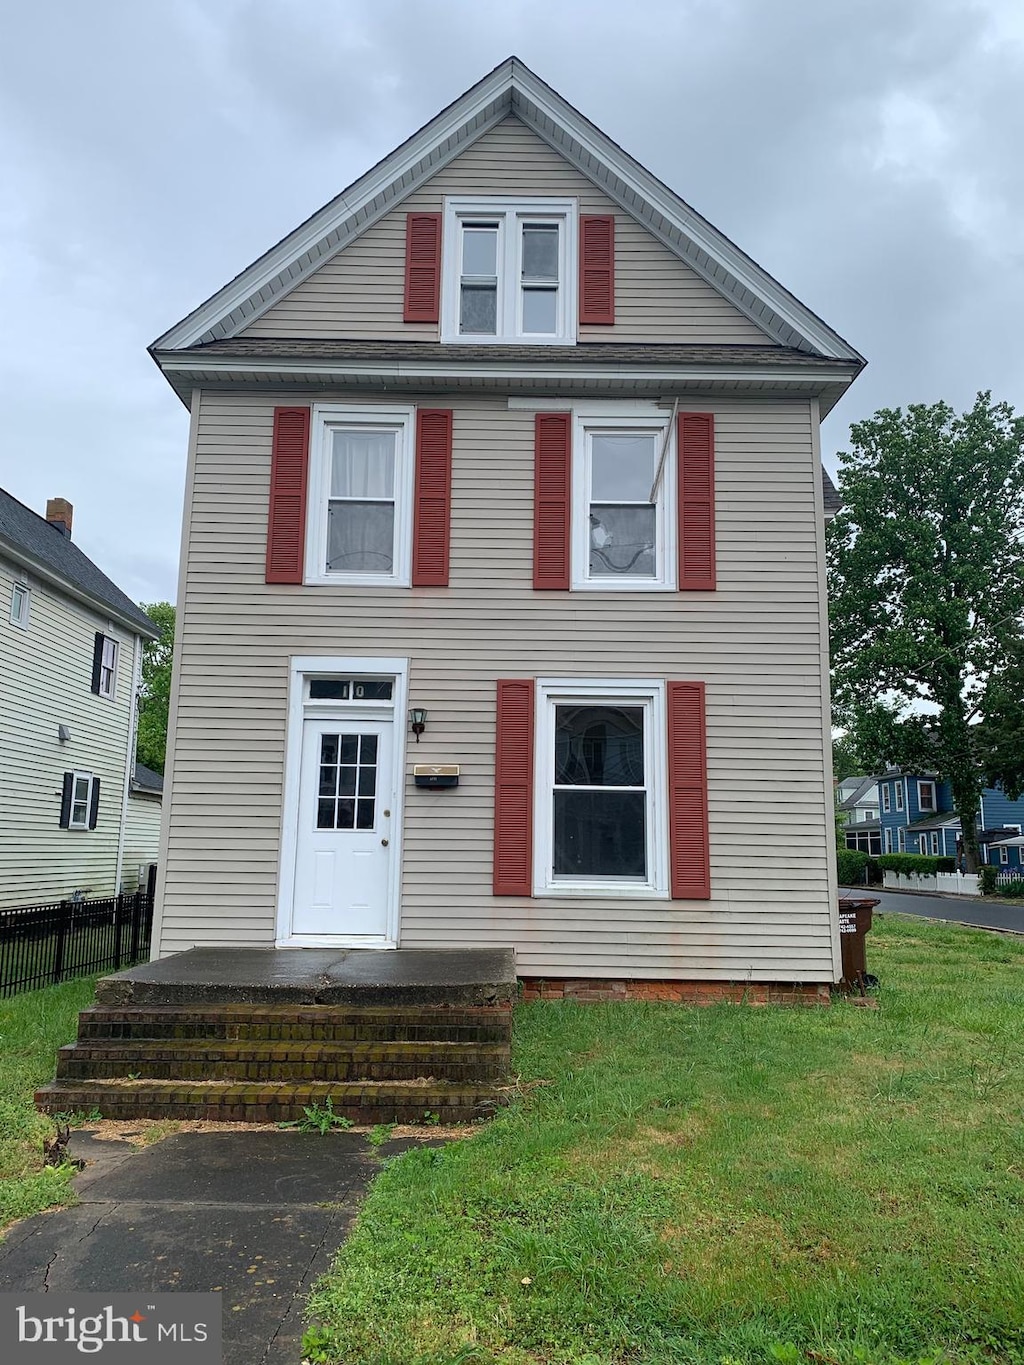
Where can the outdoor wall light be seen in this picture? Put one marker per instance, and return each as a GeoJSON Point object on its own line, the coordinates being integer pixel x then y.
{"type": "Point", "coordinates": [63, 734]}
{"type": "Point", "coordinates": [417, 721]}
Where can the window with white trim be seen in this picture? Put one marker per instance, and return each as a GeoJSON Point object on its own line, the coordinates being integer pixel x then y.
{"type": "Point", "coordinates": [359, 521]}
{"type": "Point", "coordinates": [898, 789]}
{"type": "Point", "coordinates": [926, 795]}
{"type": "Point", "coordinates": [935, 845]}
{"type": "Point", "coordinates": [81, 800]}
{"type": "Point", "coordinates": [20, 595]}
{"type": "Point", "coordinates": [624, 480]}
{"type": "Point", "coordinates": [509, 270]}
{"type": "Point", "coordinates": [886, 799]}
{"type": "Point", "coordinates": [600, 789]}
{"type": "Point", "coordinates": [108, 668]}
{"type": "Point", "coordinates": [1004, 856]}
{"type": "Point", "coordinates": [888, 840]}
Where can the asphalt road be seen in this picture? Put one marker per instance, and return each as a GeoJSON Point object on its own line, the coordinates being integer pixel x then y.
{"type": "Point", "coordinates": [961, 909]}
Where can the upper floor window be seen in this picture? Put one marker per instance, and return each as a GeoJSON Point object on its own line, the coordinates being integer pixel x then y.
{"type": "Point", "coordinates": [886, 799]}
{"type": "Point", "coordinates": [926, 795]}
{"type": "Point", "coordinates": [104, 666]}
{"type": "Point", "coordinates": [359, 522]}
{"type": "Point", "coordinates": [510, 270]}
{"type": "Point", "coordinates": [898, 790]}
{"type": "Point", "coordinates": [623, 535]}
{"type": "Point", "coordinates": [19, 605]}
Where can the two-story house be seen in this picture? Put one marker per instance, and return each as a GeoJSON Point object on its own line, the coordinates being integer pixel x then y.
{"type": "Point", "coordinates": [857, 805]}
{"type": "Point", "coordinates": [916, 815]}
{"type": "Point", "coordinates": [70, 658]}
{"type": "Point", "coordinates": [502, 612]}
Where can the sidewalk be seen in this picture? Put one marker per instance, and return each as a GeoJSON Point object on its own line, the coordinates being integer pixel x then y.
{"type": "Point", "coordinates": [257, 1215]}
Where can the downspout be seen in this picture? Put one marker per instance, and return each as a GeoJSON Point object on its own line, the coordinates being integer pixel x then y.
{"type": "Point", "coordinates": [129, 758]}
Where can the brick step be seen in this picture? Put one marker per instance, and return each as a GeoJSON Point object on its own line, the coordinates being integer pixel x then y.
{"type": "Point", "coordinates": [247, 1102]}
{"type": "Point", "coordinates": [311, 1023]}
{"type": "Point", "coordinates": [199, 1059]}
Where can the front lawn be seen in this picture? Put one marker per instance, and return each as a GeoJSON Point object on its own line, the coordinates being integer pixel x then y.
{"type": "Point", "coordinates": [32, 1027]}
{"type": "Point", "coordinates": [721, 1186]}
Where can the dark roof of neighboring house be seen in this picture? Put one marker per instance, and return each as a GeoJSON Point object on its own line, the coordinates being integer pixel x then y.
{"type": "Point", "coordinates": [942, 819]}
{"type": "Point", "coordinates": [147, 780]}
{"type": "Point", "coordinates": [857, 825]}
{"type": "Point", "coordinates": [584, 353]}
{"type": "Point", "coordinates": [833, 501]}
{"type": "Point", "coordinates": [55, 553]}
{"type": "Point", "coordinates": [864, 784]}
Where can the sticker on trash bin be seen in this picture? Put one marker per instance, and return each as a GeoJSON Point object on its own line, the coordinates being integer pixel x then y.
{"type": "Point", "coordinates": [847, 922]}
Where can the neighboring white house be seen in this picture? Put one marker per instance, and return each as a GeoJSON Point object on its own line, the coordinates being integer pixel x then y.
{"type": "Point", "coordinates": [70, 661]}
{"type": "Point", "coordinates": [142, 826]}
{"type": "Point", "coordinates": [503, 595]}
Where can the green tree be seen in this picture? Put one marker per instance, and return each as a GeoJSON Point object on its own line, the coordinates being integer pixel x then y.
{"type": "Point", "coordinates": [846, 761]}
{"type": "Point", "coordinates": [926, 589]}
{"type": "Point", "coordinates": [151, 744]}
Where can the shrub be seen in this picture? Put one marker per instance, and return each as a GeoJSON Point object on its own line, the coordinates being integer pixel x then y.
{"type": "Point", "coordinates": [851, 864]}
{"type": "Point", "coordinates": [1014, 889]}
{"type": "Point", "coordinates": [912, 864]}
{"type": "Point", "coordinates": [947, 864]}
{"type": "Point", "coordinates": [987, 879]}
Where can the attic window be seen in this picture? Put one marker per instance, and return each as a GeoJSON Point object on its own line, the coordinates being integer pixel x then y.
{"type": "Point", "coordinates": [510, 272]}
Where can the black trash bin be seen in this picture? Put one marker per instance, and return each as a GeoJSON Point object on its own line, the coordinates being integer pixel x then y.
{"type": "Point", "coordinates": [854, 923]}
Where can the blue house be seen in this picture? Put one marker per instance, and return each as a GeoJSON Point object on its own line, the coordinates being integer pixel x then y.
{"type": "Point", "coordinates": [915, 812]}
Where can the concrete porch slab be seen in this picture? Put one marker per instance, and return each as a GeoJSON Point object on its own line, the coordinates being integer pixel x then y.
{"type": "Point", "coordinates": [317, 976]}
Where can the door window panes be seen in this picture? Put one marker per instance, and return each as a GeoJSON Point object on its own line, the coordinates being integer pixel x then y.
{"type": "Point", "coordinates": [347, 791]}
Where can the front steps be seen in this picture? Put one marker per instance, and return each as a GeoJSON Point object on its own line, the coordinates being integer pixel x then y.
{"type": "Point", "coordinates": [384, 1050]}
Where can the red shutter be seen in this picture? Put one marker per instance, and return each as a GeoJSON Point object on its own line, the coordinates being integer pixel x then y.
{"type": "Point", "coordinates": [513, 789]}
{"type": "Point", "coordinates": [286, 527]}
{"type": "Point", "coordinates": [688, 792]}
{"type": "Point", "coordinates": [552, 478]}
{"type": "Point", "coordinates": [422, 267]}
{"type": "Point", "coordinates": [432, 514]}
{"type": "Point", "coordinates": [696, 501]}
{"type": "Point", "coordinates": [597, 269]}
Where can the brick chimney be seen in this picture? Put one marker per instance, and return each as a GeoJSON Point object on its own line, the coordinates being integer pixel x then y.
{"type": "Point", "coordinates": [59, 513]}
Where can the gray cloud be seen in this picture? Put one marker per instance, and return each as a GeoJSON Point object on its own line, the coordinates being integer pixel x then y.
{"type": "Point", "coordinates": [864, 153]}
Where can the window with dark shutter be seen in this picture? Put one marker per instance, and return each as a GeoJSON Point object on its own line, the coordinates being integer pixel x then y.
{"type": "Point", "coordinates": [597, 270]}
{"type": "Point", "coordinates": [551, 499]}
{"type": "Point", "coordinates": [286, 525]}
{"type": "Point", "coordinates": [97, 661]}
{"type": "Point", "coordinates": [422, 267]}
{"type": "Point", "coordinates": [65, 800]}
{"type": "Point", "coordinates": [513, 789]}
{"type": "Point", "coordinates": [688, 792]}
{"type": "Point", "coordinates": [432, 510]}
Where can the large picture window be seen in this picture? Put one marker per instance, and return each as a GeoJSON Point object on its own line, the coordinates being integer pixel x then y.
{"type": "Point", "coordinates": [510, 272]}
{"type": "Point", "coordinates": [359, 523]}
{"type": "Point", "coordinates": [600, 796]}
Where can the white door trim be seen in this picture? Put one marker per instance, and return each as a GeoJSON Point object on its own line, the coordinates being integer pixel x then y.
{"type": "Point", "coordinates": [300, 667]}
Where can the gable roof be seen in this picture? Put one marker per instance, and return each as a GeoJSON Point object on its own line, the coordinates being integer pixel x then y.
{"type": "Point", "coordinates": [854, 789]}
{"type": "Point", "coordinates": [147, 781]}
{"type": "Point", "coordinates": [511, 88]}
{"type": "Point", "coordinates": [51, 554]}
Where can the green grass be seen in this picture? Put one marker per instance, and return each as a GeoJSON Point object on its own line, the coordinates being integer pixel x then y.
{"type": "Point", "coordinates": [32, 1027]}
{"type": "Point", "coordinates": [721, 1185]}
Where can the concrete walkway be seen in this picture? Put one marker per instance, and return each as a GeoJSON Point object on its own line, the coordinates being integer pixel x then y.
{"type": "Point", "coordinates": [257, 1215]}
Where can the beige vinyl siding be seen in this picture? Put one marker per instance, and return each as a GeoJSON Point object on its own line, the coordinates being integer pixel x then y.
{"type": "Point", "coordinates": [359, 292]}
{"type": "Point", "coordinates": [141, 837]}
{"type": "Point", "coordinates": [756, 642]}
{"type": "Point", "coordinates": [47, 675]}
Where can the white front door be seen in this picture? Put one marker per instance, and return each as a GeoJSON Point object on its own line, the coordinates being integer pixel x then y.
{"type": "Point", "coordinates": [343, 863]}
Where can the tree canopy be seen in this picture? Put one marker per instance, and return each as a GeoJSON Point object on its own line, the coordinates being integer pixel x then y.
{"type": "Point", "coordinates": [155, 695]}
{"type": "Point", "coordinates": [927, 595]}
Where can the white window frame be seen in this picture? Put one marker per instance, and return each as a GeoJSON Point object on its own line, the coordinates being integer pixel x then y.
{"type": "Point", "coordinates": [1004, 856]}
{"type": "Point", "coordinates": [649, 694]}
{"type": "Point", "coordinates": [626, 421]}
{"type": "Point", "coordinates": [920, 787]}
{"type": "Point", "coordinates": [88, 779]}
{"type": "Point", "coordinates": [509, 212]}
{"type": "Point", "coordinates": [21, 599]}
{"type": "Point", "coordinates": [898, 789]}
{"type": "Point", "coordinates": [888, 839]}
{"type": "Point", "coordinates": [935, 845]}
{"type": "Point", "coordinates": [886, 798]}
{"type": "Point", "coordinates": [109, 693]}
{"type": "Point", "coordinates": [901, 840]}
{"type": "Point", "coordinates": [327, 418]}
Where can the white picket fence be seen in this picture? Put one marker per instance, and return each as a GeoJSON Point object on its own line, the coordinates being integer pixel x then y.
{"type": "Point", "coordinates": [947, 883]}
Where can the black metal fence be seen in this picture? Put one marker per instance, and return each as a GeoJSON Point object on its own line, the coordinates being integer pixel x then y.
{"type": "Point", "coordinates": [43, 944]}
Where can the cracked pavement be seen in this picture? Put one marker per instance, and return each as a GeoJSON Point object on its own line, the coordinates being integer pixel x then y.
{"type": "Point", "coordinates": [257, 1216]}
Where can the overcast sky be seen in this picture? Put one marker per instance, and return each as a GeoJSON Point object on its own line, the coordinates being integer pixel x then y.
{"type": "Point", "coordinates": [867, 153]}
